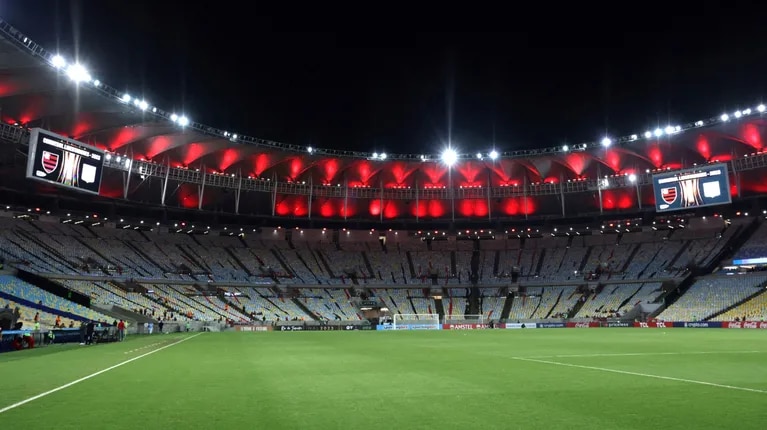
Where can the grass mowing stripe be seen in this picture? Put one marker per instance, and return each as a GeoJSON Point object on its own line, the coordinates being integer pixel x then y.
{"type": "Point", "coordinates": [85, 378]}
{"type": "Point", "coordinates": [641, 354]}
{"type": "Point", "coordinates": [645, 375]}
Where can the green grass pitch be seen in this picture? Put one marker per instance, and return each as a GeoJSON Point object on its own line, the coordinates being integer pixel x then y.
{"type": "Point", "coordinates": [493, 379]}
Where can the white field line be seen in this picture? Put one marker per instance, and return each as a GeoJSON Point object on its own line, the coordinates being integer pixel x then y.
{"type": "Point", "coordinates": [85, 378]}
{"type": "Point", "coordinates": [642, 354]}
{"type": "Point", "coordinates": [644, 375]}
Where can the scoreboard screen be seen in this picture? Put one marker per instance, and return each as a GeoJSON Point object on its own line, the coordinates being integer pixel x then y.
{"type": "Point", "coordinates": [690, 188]}
{"type": "Point", "coordinates": [64, 162]}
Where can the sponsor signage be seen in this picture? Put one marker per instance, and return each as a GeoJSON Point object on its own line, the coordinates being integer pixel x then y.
{"type": "Point", "coordinates": [698, 324]}
{"type": "Point", "coordinates": [592, 324]}
{"type": "Point", "coordinates": [521, 325]}
{"type": "Point", "coordinates": [252, 328]}
{"type": "Point", "coordinates": [409, 327]}
{"type": "Point", "coordinates": [334, 327]}
{"type": "Point", "coordinates": [550, 325]}
{"type": "Point", "coordinates": [658, 324]}
{"type": "Point", "coordinates": [745, 324]}
{"type": "Point", "coordinates": [464, 326]}
{"type": "Point", "coordinates": [618, 324]}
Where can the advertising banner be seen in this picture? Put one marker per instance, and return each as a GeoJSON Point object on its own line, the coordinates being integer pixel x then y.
{"type": "Point", "coordinates": [658, 324]}
{"type": "Point", "coordinates": [334, 327]}
{"type": "Point", "coordinates": [698, 324]}
{"type": "Point", "coordinates": [550, 325]}
{"type": "Point", "coordinates": [521, 325]}
{"type": "Point", "coordinates": [409, 327]}
{"type": "Point", "coordinates": [618, 324]}
{"type": "Point", "coordinates": [464, 326]}
{"type": "Point", "coordinates": [252, 328]}
{"type": "Point", "coordinates": [592, 324]}
{"type": "Point", "coordinates": [744, 324]}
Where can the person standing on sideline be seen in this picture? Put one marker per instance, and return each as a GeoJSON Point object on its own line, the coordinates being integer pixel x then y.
{"type": "Point", "coordinates": [151, 327]}
{"type": "Point", "coordinates": [89, 329]}
{"type": "Point", "coordinates": [121, 330]}
{"type": "Point", "coordinates": [83, 329]}
{"type": "Point", "coordinates": [160, 325]}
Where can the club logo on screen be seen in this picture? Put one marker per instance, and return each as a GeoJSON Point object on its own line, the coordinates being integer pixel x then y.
{"type": "Point", "coordinates": [50, 161]}
{"type": "Point", "coordinates": [668, 194]}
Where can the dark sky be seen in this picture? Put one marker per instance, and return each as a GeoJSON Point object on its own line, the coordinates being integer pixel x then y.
{"type": "Point", "coordinates": [388, 77]}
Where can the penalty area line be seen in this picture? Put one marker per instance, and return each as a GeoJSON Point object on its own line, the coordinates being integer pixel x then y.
{"type": "Point", "coordinates": [644, 375]}
{"type": "Point", "coordinates": [85, 378]}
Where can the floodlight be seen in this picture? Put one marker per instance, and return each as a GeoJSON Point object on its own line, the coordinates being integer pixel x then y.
{"type": "Point", "coordinates": [174, 117]}
{"type": "Point", "coordinates": [143, 105]}
{"type": "Point", "coordinates": [658, 132]}
{"type": "Point", "coordinates": [493, 154]}
{"type": "Point", "coordinates": [449, 156]}
{"type": "Point", "coordinates": [126, 98]}
{"type": "Point", "coordinates": [632, 178]}
{"type": "Point", "coordinates": [375, 155]}
{"type": "Point", "coordinates": [382, 156]}
{"type": "Point", "coordinates": [309, 149]}
{"type": "Point", "coordinates": [565, 148]}
{"type": "Point", "coordinates": [724, 117]}
{"type": "Point", "coordinates": [58, 61]}
{"type": "Point", "coordinates": [738, 114]}
{"type": "Point", "coordinates": [479, 155]}
{"type": "Point", "coordinates": [78, 73]}
{"type": "Point", "coordinates": [760, 108]}
{"type": "Point", "coordinates": [606, 142]}
{"type": "Point", "coordinates": [183, 121]}
{"type": "Point", "coordinates": [647, 134]}
{"type": "Point", "coordinates": [669, 129]}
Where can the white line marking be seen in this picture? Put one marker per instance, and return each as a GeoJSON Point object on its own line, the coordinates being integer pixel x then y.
{"type": "Point", "coordinates": [85, 378]}
{"type": "Point", "coordinates": [645, 375]}
{"type": "Point", "coordinates": [641, 354]}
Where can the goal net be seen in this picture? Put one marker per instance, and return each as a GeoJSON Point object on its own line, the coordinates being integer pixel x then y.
{"type": "Point", "coordinates": [416, 322]}
{"type": "Point", "coordinates": [465, 319]}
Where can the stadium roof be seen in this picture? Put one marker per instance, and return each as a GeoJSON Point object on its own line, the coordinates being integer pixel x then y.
{"type": "Point", "coordinates": [43, 89]}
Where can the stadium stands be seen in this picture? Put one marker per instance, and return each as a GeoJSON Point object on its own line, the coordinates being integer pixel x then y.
{"type": "Point", "coordinates": [253, 274]}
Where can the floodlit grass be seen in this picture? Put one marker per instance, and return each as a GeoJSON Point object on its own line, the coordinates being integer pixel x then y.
{"type": "Point", "coordinates": [398, 380]}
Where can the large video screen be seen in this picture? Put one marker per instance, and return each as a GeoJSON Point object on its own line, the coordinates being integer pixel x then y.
{"type": "Point", "coordinates": [690, 188]}
{"type": "Point", "coordinates": [64, 162]}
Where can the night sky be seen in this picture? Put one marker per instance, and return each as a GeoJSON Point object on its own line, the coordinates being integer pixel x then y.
{"type": "Point", "coordinates": [406, 77]}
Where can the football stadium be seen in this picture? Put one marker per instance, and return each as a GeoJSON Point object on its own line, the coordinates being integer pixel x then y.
{"type": "Point", "coordinates": [156, 272]}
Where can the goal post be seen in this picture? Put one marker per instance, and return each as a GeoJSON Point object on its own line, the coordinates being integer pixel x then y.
{"type": "Point", "coordinates": [465, 319]}
{"type": "Point", "coordinates": [416, 322]}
